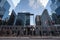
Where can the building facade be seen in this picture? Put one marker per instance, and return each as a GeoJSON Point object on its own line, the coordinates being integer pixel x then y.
{"type": "Point", "coordinates": [38, 20]}
{"type": "Point", "coordinates": [4, 9]}
{"type": "Point", "coordinates": [23, 19]}
{"type": "Point", "coordinates": [12, 18]}
{"type": "Point", "coordinates": [45, 19]}
{"type": "Point", "coordinates": [56, 18]}
{"type": "Point", "coordinates": [55, 6]}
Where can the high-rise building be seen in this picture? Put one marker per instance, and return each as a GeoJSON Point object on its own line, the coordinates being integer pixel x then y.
{"type": "Point", "coordinates": [38, 24]}
{"type": "Point", "coordinates": [38, 20]}
{"type": "Point", "coordinates": [56, 18]}
{"type": "Point", "coordinates": [55, 6]}
{"type": "Point", "coordinates": [2, 2]}
{"type": "Point", "coordinates": [12, 18]}
{"type": "Point", "coordinates": [4, 9]}
{"type": "Point", "coordinates": [23, 18]}
{"type": "Point", "coordinates": [45, 19]}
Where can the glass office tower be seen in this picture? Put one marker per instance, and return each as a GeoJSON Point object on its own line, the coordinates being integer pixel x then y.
{"type": "Point", "coordinates": [55, 6]}
{"type": "Point", "coordinates": [23, 19]}
{"type": "Point", "coordinates": [4, 7]}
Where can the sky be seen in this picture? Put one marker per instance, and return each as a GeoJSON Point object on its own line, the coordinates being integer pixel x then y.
{"type": "Point", "coordinates": [43, 2]}
{"type": "Point", "coordinates": [35, 7]}
{"type": "Point", "coordinates": [13, 4]}
{"type": "Point", "coordinates": [31, 3]}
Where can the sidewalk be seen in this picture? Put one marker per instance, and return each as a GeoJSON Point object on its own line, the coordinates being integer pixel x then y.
{"type": "Point", "coordinates": [43, 37]}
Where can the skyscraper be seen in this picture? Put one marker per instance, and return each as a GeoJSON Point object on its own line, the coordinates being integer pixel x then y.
{"type": "Point", "coordinates": [12, 18]}
{"type": "Point", "coordinates": [38, 20]}
{"type": "Point", "coordinates": [55, 6]}
{"type": "Point", "coordinates": [4, 7]}
{"type": "Point", "coordinates": [45, 19]}
{"type": "Point", "coordinates": [23, 19]}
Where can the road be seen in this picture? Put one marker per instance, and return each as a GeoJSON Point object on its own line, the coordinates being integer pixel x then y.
{"type": "Point", "coordinates": [29, 38]}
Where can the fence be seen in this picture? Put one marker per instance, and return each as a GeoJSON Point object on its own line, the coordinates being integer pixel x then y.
{"type": "Point", "coordinates": [7, 30]}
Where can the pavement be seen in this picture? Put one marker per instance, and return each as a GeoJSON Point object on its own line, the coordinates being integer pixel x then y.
{"type": "Point", "coordinates": [31, 38]}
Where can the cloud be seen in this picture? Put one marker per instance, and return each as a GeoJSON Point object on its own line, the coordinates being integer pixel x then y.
{"type": "Point", "coordinates": [15, 2]}
{"type": "Point", "coordinates": [44, 2]}
{"type": "Point", "coordinates": [36, 4]}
